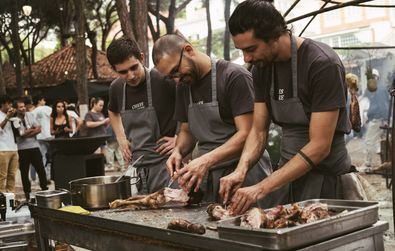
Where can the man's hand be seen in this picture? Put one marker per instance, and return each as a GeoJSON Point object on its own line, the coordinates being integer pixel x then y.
{"type": "Point", "coordinates": [229, 184]}
{"type": "Point", "coordinates": [10, 113]}
{"type": "Point", "coordinates": [191, 175]}
{"type": "Point", "coordinates": [124, 144]}
{"type": "Point", "coordinates": [244, 198]}
{"type": "Point", "coordinates": [167, 146]}
{"type": "Point", "coordinates": [106, 121]}
{"type": "Point", "coordinates": [173, 163]}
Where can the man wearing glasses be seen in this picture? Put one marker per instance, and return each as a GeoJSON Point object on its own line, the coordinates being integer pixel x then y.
{"type": "Point", "coordinates": [215, 103]}
{"type": "Point", "coordinates": [141, 111]}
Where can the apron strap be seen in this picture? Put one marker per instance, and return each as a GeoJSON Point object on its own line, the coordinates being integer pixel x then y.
{"type": "Point", "coordinates": [294, 69]}
{"type": "Point", "coordinates": [213, 80]}
{"type": "Point", "coordinates": [149, 89]}
{"type": "Point", "coordinates": [213, 83]}
{"type": "Point", "coordinates": [123, 97]}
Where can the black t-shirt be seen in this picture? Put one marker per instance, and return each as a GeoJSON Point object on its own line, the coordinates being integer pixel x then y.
{"type": "Point", "coordinates": [163, 100]}
{"type": "Point", "coordinates": [235, 93]}
{"type": "Point", "coordinates": [321, 81]}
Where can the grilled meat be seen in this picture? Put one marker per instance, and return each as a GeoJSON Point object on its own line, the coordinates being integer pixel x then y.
{"type": "Point", "coordinates": [254, 218]}
{"type": "Point", "coordinates": [166, 196]}
{"type": "Point", "coordinates": [314, 212]}
{"type": "Point", "coordinates": [217, 212]}
{"type": "Point", "coordinates": [186, 226]}
{"type": "Point", "coordinates": [280, 216]}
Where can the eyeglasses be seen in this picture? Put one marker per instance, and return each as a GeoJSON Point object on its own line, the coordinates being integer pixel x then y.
{"type": "Point", "coordinates": [132, 69]}
{"type": "Point", "coordinates": [175, 72]}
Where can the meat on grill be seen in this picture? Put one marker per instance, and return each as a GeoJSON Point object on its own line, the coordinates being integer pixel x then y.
{"type": "Point", "coordinates": [165, 196]}
{"type": "Point", "coordinates": [280, 216]}
{"type": "Point", "coordinates": [186, 226]}
{"type": "Point", "coordinates": [314, 212]}
{"type": "Point", "coordinates": [217, 212]}
{"type": "Point", "coordinates": [355, 116]}
{"type": "Point", "coordinates": [254, 218]}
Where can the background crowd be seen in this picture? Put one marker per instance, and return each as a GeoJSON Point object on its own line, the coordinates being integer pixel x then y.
{"type": "Point", "coordinates": [26, 127]}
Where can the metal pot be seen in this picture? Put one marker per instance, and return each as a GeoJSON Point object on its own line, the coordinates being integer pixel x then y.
{"type": "Point", "coordinates": [97, 192]}
{"type": "Point", "coordinates": [50, 198]}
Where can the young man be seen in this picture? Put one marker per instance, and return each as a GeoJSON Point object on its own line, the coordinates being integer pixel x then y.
{"type": "Point", "coordinates": [42, 113]}
{"type": "Point", "coordinates": [8, 147]}
{"type": "Point", "coordinates": [300, 85]}
{"type": "Point", "coordinates": [28, 148]}
{"type": "Point", "coordinates": [141, 111]}
{"type": "Point", "coordinates": [215, 106]}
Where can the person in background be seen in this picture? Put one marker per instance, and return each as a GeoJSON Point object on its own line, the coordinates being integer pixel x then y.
{"type": "Point", "coordinates": [60, 122]}
{"type": "Point", "coordinates": [42, 113]}
{"type": "Point", "coordinates": [8, 149]}
{"type": "Point", "coordinates": [76, 121]}
{"type": "Point", "coordinates": [377, 114]}
{"type": "Point", "coordinates": [95, 120]}
{"type": "Point", "coordinates": [28, 148]}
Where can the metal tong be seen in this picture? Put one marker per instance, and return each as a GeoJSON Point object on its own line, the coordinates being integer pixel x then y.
{"type": "Point", "coordinates": [129, 168]}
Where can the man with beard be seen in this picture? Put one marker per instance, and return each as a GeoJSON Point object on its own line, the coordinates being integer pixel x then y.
{"type": "Point", "coordinates": [214, 106]}
{"type": "Point", "coordinates": [299, 85]}
{"type": "Point", "coordinates": [141, 110]}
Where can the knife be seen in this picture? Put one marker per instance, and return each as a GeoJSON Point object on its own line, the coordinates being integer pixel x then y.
{"type": "Point", "coordinates": [129, 168]}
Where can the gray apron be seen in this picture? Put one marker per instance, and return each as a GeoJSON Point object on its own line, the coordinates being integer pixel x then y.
{"type": "Point", "coordinates": [143, 131]}
{"type": "Point", "coordinates": [322, 181]}
{"type": "Point", "coordinates": [211, 131]}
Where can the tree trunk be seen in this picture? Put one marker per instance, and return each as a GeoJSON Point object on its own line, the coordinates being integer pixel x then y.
{"type": "Point", "coordinates": [209, 29]}
{"type": "Point", "coordinates": [2, 82]}
{"type": "Point", "coordinates": [80, 57]}
{"type": "Point", "coordinates": [124, 19]}
{"type": "Point", "coordinates": [226, 33]}
{"type": "Point", "coordinates": [16, 50]}
{"type": "Point", "coordinates": [139, 14]}
{"type": "Point", "coordinates": [171, 18]}
{"type": "Point", "coordinates": [92, 39]}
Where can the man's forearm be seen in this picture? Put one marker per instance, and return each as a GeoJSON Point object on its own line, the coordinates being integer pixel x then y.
{"type": "Point", "coordinates": [230, 149]}
{"type": "Point", "coordinates": [185, 142]}
{"type": "Point", "coordinates": [295, 167]}
{"type": "Point", "coordinates": [3, 123]}
{"type": "Point", "coordinates": [253, 150]}
{"type": "Point", "coordinates": [92, 124]}
{"type": "Point", "coordinates": [117, 126]}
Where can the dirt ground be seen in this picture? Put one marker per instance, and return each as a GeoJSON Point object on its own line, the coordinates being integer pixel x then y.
{"type": "Point", "coordinates": [381, 193]}
{"type": "Point", "coordinates": [355, 148]}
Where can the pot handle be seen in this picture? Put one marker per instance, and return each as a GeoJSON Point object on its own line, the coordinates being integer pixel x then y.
{"type": "Point", "coordinates": [69, 192]}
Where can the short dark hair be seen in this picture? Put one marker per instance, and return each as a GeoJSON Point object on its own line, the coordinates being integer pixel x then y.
{"type": "Point", "coordinates": [121, 49]}
{"type": "Point", "coordinates": [167, 44]}
{"type": "Point", "coordinates": [38, 98]}
{"type": "Point", "coordinates": [260, 16]}
{"type": "Point", "coordinates": [5, 99]}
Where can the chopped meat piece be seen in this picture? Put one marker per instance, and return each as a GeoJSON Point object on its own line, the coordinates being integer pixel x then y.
{"type": "Point", "coordinates": [280, 216]}
{"type": "Point", "coordinates": [314, 212]}
{"type": "Point", "coordinates": [186, 226]}
{"type": "Point", "coordinates": [217, 212]}
{"type": "Point", "coordinates": [166, 196]}
{"type": "Point", "coordinates": [254, 218]}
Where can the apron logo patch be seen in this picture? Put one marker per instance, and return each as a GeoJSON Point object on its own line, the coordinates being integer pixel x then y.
{"type": "Point", "coordinates": [138, 106]}
{"type": "Point", "coordinates": [280, 94]}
